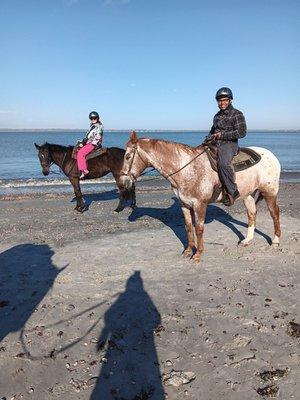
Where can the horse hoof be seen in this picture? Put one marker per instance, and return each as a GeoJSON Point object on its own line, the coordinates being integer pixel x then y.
{"type": "Point", "coordinates": [118, 209]}
{"type": "Point", "coordinates": [244, 243]}
{"type": "Point", "coordinates": [274, 245]}
{"type": "Point", "coordinates": [187, 253]}
{"type": "Point", "coordinates": [196, 258]}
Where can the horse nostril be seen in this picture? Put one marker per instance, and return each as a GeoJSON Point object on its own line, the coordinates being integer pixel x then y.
{"type": "Point", "coordinates": [45, 173]}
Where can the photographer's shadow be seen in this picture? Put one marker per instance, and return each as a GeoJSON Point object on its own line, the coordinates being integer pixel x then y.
{"type": "Point", "coordinates": [26, 276]}
{"type": "Point", "coordinates": [130, 367]}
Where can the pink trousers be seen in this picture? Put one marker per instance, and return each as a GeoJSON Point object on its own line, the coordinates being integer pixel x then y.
{"type": "Point", "coordinates": [84, 151]}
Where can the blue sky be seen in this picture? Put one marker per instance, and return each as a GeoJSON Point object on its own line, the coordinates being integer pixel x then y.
{"type": "Point", "coordinates": [148, 63]}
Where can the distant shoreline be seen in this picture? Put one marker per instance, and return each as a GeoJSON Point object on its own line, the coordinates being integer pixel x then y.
{"type": "Point", "coordinates": [141, 130]}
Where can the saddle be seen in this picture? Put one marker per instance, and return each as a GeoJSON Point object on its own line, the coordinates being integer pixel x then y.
{"type": "Point", "coordinates": [245, 158]}
{"type": "Point", "coordinates": [98, 151]}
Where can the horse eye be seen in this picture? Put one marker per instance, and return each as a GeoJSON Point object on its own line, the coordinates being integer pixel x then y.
{"type": "Point", "coordinates": [127, 156]}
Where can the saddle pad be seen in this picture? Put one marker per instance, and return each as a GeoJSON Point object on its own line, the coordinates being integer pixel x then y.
{"type": "Point", "coordinates": [96, 153]}
{"type": "Point", "coordinates": [245, 158]}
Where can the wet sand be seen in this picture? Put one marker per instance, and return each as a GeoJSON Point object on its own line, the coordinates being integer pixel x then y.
{"type": "Point", "coordinates": [103, 306]}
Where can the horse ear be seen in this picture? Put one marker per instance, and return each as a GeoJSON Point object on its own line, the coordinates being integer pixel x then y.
{"type": "Point", "coordinates": [37, 146]}
{"type": "Point", "coordinates": [133, 137]}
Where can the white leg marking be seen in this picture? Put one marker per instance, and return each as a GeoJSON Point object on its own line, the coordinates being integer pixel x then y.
{"type": "Point", "coordinates": [275, 241]}
{"type": "Point", "coordinates": [250, 235]}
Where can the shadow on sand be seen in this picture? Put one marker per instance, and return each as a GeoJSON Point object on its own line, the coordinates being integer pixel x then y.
{"type": "Point", "coordinates": [173, 218]}
{"type": "Point", "coordinates": [94, 197]}
{"type": "Point", "coordinates": [26, 276]}
{"type": "Point", "coordinates": [130, 368]}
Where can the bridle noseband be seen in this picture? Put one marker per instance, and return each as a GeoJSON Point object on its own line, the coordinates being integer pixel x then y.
{"type": "Point", "coordinates": [129, 173]}
{"type": "Point", "coordinates": [49, 161]}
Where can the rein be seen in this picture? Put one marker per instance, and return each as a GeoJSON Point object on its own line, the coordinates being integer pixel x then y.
{"type": "Point", "coordinates": [62, 164]}
{"type": "Point", "coordinates": [129, 173]}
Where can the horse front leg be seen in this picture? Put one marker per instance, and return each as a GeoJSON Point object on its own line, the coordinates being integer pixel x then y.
{"type": "Point", "coordinates": [200, 212]}
{"type": "Point", "coordinates": [133, 197]}
{"type": "Point", "coordinates": [80, 206]}
{"type": "Point", "coordinates": [251, 211]}
{"type": "Point", "coordinates": [187, 213]}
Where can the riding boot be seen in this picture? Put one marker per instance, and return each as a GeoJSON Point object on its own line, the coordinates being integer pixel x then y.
{"type": "Point", "coordinates": [228, 199]}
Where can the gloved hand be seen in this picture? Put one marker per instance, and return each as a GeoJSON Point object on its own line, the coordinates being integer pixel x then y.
{"type": "Point", "coordinates": [216, 135]}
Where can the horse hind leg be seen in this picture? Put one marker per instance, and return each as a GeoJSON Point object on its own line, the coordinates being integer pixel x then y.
{"type": "Point", "coordinates": [274, 211]}
{"type": "Point", "coordinates": [249, 203]}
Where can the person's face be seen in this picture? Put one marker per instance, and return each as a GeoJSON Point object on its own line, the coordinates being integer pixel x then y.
{"type": "Point", "coordinates": [93, 120]}
{"type": "Point", "coordinates": [223, 103]}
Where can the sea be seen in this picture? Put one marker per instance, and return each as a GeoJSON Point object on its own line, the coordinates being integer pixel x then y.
{"type": "Point", "coordinates": [20, 170]}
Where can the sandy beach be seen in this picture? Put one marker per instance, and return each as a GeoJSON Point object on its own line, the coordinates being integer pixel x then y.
{"type": "Point", "coordinates": [102, 305]}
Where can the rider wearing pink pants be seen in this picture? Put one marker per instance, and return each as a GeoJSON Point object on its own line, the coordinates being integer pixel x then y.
{"type": "Point", "coordinates": [92, 140]}
{"type": "Point", "coordinates": [82, 153]}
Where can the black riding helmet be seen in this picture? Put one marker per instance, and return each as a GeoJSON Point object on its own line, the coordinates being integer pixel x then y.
{"type": "Point", "coordinates": [224, 92]}
{"type": "Point", "coordinates": [94, 114]}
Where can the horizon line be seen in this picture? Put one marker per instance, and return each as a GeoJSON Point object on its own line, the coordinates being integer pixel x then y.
{"type": "Point", "coordinates": [137, 130]}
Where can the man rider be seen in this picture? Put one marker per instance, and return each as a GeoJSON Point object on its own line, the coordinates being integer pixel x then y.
{"type": "Point", "coordinates": [229, 125]}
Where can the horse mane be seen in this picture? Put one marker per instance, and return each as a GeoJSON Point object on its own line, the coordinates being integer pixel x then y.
{"type": "Point", "coordinates": [57, 147]}
{"type": "Point", "coordinates": [172, 146]}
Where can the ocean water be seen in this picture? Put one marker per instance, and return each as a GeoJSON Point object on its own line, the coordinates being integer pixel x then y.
{"type": "Point", "coordinates": [20, 169]}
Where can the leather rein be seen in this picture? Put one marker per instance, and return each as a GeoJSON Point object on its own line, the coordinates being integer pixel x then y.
{"type": "Point", "coordinates": [133, 177]}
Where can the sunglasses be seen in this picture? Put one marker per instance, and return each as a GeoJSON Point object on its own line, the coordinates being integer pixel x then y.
{"type": "Point", "coordinates": [223, 100]}
{"type": "Point", "coordinates": [92, 118]}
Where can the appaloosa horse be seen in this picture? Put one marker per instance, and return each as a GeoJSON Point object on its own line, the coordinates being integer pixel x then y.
{"type": "Point", "coordinates": [111, 160]}
{"type": "Point", "coordinates": [193, 180]}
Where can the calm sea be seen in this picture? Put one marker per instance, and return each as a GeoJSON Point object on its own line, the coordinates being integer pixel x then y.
{"type": "Point", "coordinates": [20, 169]}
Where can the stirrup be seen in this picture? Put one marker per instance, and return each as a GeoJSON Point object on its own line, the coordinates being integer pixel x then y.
{"type": "Point", "coordinates": [83, 174]}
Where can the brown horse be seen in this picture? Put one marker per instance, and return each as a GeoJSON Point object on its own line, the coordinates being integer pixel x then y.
{"type": "Point", "coordinates": [110, 160]}
{"type": "Point", "coordinates": [194, 181]}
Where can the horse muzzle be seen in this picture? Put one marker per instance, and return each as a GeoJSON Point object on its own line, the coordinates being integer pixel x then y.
{"type": "Point", "coordinates": [126, 181]}
{"type": "Point", "coordinates": [45, 172]}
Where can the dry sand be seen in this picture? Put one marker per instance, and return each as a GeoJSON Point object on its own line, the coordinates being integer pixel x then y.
{"type": "Point", "coordinates": [103, 306]}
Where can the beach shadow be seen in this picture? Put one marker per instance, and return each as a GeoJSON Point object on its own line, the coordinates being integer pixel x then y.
{"type": "Point", "coordinates": [94, 197]}
{"type": "Point", "coordinates": [130, 367]}
{"type": "Point", "coordinates": [173, 218]}
{"type": "Point", "coordinates": [26, 276]}
{"type": "Point", "coordinates": [220, 215]}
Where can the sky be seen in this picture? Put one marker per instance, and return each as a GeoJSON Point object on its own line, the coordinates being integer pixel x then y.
{"type": "Point", "coordinates": [148, 64]}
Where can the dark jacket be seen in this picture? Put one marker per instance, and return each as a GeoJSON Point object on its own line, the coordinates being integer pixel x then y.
{"type": "Point", "coordinates": [231, 123]}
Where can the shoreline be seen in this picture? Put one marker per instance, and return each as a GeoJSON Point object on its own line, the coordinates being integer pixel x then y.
{"type": "Point", "coordinates": [62, 187]}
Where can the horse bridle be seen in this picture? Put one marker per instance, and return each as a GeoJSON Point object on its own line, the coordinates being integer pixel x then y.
{"type": "Point", "coordinates": [129, 173]}
{"type": "Point", "coordinates": [49, 160]}
{"type": "Point", "coordinates": [132, 176]}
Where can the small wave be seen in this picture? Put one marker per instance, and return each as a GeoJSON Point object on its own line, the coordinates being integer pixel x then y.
{"type": "Point", "coordinates": [39, 182]}
{"type": "Point", "coordinates": [31, 183]}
